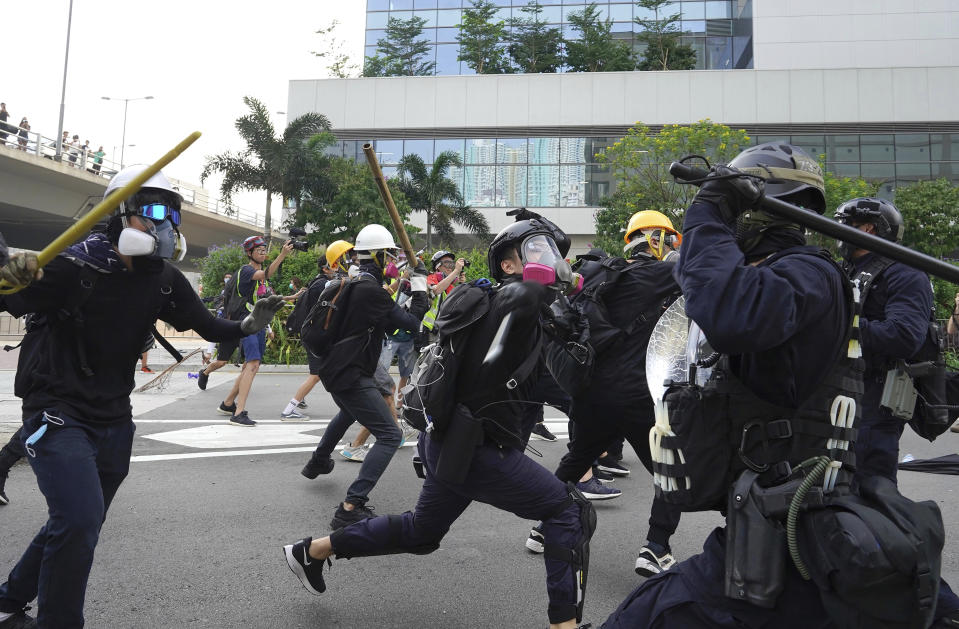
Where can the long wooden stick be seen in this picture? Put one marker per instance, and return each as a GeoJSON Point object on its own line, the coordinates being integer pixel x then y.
{"type": "Point", "coordinates": [388, 202]}
{"type": "Point", "coordinates": [101, 209]}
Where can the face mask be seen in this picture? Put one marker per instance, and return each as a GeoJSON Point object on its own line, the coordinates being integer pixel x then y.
{"type": "Point", "coordinates": [291, 286]}
{"type": "Point", "coordinates": [391, 271]}
{"type": "Point", "coordinates": [543, 264]}
{"type": "Point", "coordinates": [134, 242]}
{"type": "Point", "coordinates": [846, 250]}
{"type": "Point", "coordinates": [353, 271]}
{"type": "Point", "coordinates": [171, 243]}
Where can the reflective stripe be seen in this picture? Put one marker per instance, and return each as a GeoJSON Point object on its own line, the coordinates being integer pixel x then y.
{"type": "Point", "coordinates": [429, 319]}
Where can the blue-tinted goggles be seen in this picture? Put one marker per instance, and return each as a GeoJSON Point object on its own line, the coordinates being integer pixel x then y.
{"type": "Point", "coordinates": [158, 212]}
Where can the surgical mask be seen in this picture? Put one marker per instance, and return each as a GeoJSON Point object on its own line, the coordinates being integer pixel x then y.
{"type": "Point", "coordinates": [353, 271]}
{"type": "Point", "coordinates": [542, 263]}
{"type": "Point", "coordinates": [291, 285]}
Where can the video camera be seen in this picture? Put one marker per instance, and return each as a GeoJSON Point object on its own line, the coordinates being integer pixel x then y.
{"type": "Point", "coordinates": [296, 233]}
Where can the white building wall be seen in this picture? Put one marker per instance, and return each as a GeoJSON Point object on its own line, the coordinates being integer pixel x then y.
{"type": "Point", "coordinates": [803, 34]}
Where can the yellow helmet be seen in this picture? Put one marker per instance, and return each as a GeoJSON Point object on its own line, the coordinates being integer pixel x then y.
{"type": "Point", "coordinates": [651, 220]}
{"type": "Point", "coordinates": [335, 251]}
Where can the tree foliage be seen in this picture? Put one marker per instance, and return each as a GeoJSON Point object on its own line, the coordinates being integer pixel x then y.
{"type": "Point", "coordinates": [596, 50]}
{"type": "Point", "coordinates": [639, 165]}
{"type": "Point", "coordinates": [277, 165]}
{"type": "Point", "coordinates": [536, 46]}
{"type": "Point", "coordinates": [338, 63]}
{"type": "Point", "coordinates": [430, 190]}
{"type": "Point", "coordinates": [401, 51]}
{"type": "Point", "coordinates": [481, 39]}
{"type": "Point", "coordinates": [661, 36]}
{"type": "Point", "coordinates": [930, 210]}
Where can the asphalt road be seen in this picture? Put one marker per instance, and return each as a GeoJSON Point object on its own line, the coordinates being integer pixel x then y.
{"type": "Point", "coordinates": [194, 536]}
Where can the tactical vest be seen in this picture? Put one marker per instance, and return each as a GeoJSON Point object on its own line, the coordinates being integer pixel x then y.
{"type": "Point", "coordinates": [708, 434]}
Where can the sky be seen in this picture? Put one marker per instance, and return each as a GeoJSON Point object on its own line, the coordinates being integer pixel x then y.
{"type": "Point", "coordinates": [197, 58]}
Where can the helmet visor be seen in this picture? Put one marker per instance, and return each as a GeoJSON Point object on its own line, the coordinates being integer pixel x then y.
{"type": "Point", "coordinates": [158, 212]}
{"type": "Point", "coordinates": [540, 249]}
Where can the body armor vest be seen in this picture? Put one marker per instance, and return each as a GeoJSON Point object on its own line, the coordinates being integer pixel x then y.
{"type": "Point", "coordinates": [708, 434]}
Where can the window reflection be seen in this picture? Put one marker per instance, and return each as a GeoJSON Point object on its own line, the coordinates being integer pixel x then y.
{"type": "Point", "coordinates": [543, 150]}
{"type": "Point", "coordinates": [877, 148]}
{"type": "Point", "coordinates": [389, 151]}
{"type": "Point", "coordinates": [479, 186]}
{"type": "Point", "coordinates": [447, 61]}
{"type": "Point", "coordinates": [450, 145]}
{"type": "Point", "coordinates": [572, 186]}
{"type": "Point", "coordinates": [543, 186]}
{"type": "Point", "coordinates": [511, 151]}
{"type": "Point", "coordinates": [510, 186]}
{"type": "Point", "coordinates": [480, 151]}
{"type": "Point", "coordinates": [423, 148]}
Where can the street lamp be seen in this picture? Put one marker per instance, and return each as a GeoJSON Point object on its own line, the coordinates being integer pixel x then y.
{"type": "Point", "coordinates": [126, 103]}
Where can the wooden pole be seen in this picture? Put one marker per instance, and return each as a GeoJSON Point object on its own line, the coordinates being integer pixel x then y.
{"type": "Point", "coordinates": [388, 202]}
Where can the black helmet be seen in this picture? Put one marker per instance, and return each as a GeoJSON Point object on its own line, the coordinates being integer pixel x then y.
{"type": "Point", "coordinates": [879, 212]}
{"type": "Point", "coordinates": [513, 235]}
{"type": "Point", "coordinates": [439, 255]}
{"type": "Point", "coordinates": [790, 173]}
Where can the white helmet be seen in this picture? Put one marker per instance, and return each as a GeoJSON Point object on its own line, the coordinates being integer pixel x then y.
{"type": "Point", "coordinates": [373, 238]}
{"type": "Point", "coordinates": [125, 176]}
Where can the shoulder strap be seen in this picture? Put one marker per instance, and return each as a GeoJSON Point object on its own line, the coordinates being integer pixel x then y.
{"type": "Point", "coordinates": [87, 281]}
{"type": "Point", "coordinates": [868, 274]}
{"type": "Point", "coordinates": [526, 367]}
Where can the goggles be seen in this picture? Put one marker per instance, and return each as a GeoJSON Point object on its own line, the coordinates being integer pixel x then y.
{"type": "Point", "coordinates": [157, 212]}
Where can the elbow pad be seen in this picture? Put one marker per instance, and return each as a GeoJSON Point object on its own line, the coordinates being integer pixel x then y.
{"type": "Point", "coordinates": [418, 283]}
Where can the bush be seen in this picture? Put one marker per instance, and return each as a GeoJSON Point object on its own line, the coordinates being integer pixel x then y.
{"type": "Point", "coordinates": [230, 257]}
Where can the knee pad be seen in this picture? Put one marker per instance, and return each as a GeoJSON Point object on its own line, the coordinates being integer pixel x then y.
{"type": "Point", "coordinates": [578, 556]}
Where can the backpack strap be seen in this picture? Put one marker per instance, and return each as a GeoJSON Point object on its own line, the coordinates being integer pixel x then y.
{"type": "Point", "coordinates": [87, 279]}
{"type": "Point", "coordinates": [526, 367]}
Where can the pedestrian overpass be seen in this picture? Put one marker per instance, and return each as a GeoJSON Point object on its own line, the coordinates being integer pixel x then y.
{"type": "Point", "coordinates": [41, 197]}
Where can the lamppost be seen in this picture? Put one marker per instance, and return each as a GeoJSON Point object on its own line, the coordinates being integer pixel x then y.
{"type": "Point", "coordinates": [126, 104]}
{"type": "Point", "coordinates": [63, 92]}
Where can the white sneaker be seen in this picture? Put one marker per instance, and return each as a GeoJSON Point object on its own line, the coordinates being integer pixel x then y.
{"type": "Point", "coordinates": [357, 454]}
{"type": "Point", "coordinates": [536, 543]}
{"type": "Point", "coordinates": [294, 416]}
{"type": "Point", "coordinates": [649, 563]}
{"type": "Point", "coordinates": [410, 435]}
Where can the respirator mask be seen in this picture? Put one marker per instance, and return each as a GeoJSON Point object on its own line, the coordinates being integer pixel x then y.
{"type": "Point", "coordinates": [161, 240]}
{"type": "Point", "coordinates": [543, 263]}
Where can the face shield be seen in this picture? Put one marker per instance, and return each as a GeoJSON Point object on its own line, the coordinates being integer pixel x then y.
{"type": "Point", "coordinates": [658, 240]}
{"type": "Point", "coordinates": [543, 263]}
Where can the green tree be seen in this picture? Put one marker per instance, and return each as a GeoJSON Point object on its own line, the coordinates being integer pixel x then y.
{"type": "Point", "coordinates": [481, 39]}
{"type": "Point", "coordinates": [338, 63]}
{"type": "Point", "coordinates": [430, 190]}
{"type": "Point", "coordinates": [404, 53]}
{"type": "Point", "coordinates": [838, 191]}
{"type": "Point", "coordinates": [596, 50]}
{"type": "Point", "coordinates": [274, 164]}
{"type": "Point", "coordinates": [375, 66]}
{"type": "Point", "coordinates": [536, 46]}
{"type": "Point", "coordinates": [343, 201]}
{"type": "Point", "coordinates": [639, 165]}
{"type": "Point", "coordinates": [929, 209]}
{"type": "Point", "coordinates": [661, 37]}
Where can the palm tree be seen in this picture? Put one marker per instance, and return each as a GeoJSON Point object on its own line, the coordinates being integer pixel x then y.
{"type": "Point", "coordinates": [278, 165]}
{"type": "Point", "coordinates": [432, 191]}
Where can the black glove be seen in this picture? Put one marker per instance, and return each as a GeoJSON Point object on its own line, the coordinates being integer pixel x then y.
{"type": "Point", "coordinates": [732, 196]}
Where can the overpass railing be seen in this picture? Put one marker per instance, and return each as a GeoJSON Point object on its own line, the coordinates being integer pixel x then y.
{"type": "Point", "coordinates": [34, 143]}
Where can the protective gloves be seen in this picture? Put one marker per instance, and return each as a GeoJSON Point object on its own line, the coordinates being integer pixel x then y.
{"type": "Point", "coordinates": [732, 196]}
{"type": "Point", "coordinates": [22, 269]}
{"type": "Point", "coordinates": [418, 278]}
{"type": "Point", "coordinates": [263, 311]}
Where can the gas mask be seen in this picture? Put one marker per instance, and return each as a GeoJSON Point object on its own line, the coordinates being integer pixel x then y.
{"type": "Point", "coordinates": [159, 241]}
{"type": "Point", "coordinates": [543, 263]}
{"type": "Point", "coordinates": [846, 250]}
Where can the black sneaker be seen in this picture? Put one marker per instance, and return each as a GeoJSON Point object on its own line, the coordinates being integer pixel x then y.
{"type": "Point", "coordinates": [611, 466]}
{"type": "Point", "coordinates": [541, 432]}
{"type": "Point", "coordinates": [201, 379]}
{"type": "Point", "coordinates": [602, 476]}
{"type": "Point", "coordinates": [3, 496]}
{"type": "Point", "coordinates": [315, 467]}
{"type": "Point", "coordinates": [342, 517]}
{"type": "Point", "coordinates": [302, 404]}
{"type": "Point", "coordinates": [536, 543]}
{"type": "Point", "coordinates": [243, 419]}
{"type": "Point", "coordinates": [223, 409]}
{"type": "Point", "coordinates": [19, 620]}
{"type": "Point", "coordinates": [308, 570]}
{"type": "Point", "coordinates": [649, 563]}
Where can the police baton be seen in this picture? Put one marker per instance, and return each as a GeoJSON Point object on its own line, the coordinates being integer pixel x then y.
{"type": "Point", "coordinates": [101, 209]}
{"type": "Point", "coordinates": [685, 174]}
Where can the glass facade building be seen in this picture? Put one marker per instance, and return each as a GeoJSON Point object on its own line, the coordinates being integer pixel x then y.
{"type": "Point", "coordinates": [720, 31]}
{"type": "Point", "coordinates": [563, 171]}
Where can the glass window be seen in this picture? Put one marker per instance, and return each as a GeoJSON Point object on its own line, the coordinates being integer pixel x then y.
{"type": "Point", "coordinates": [377, 5]}
{"type": "Point", "coordinates": [455, 174]}
{"type": "Point", "coordinates": [601, 9]}
{"type": "Point", "coordinates": [572, 186]}
{"type": "Point", "coordinates": [570, 32]}
{"type": "Point", "coordinates": [718, 9]}
{"type": "Point", "coordinates": [401, 4]}
{"type": "Point", "coordinates": [523, 3]}
{"type": "Point", "coordinates": [389, 151]}
{"type": "Point", "coordinates": [424, 4]}
{"type": "Point", "coordinates": [719, 53]}
{"type": "Point", "coordinates": [543, 186]}
{"type": "Point", "coordinates": [949, 170]}
{"type": "Point", "coordinates": [376, 20]}
{"type": "Point", "coordinates": [503, 13]}
{"type": "Point", "coordinates": [945, 146]}
{"type": "Point", "coordinates": [596, 190]}
{"type": "Point", "coordinates": [912, 171]}
{"type": "Point", "coordinates": [623, 27]}
{"type": "Point", "coordinates": [646, 14]}
{"type": "Point", "coordinates": [389, 172]}
{"type": "Point", "coordinates": [450, 145]}
{"type": "Point", "coordinates": [446, 59]}
{"type": "Point", "coordinates": [598, 145]}
{"type": "Point", "coordinates": [621, 12]}
{"type": "Point", "coordinates": [815, 145]}
{"type": "Point", "coordinates": [842, 148]}
{"type": "Point", "coordinates": [694, 26]}
{"type": "Point", "coordinates": [698, 44]}
{"type": "Point", "coordinates": [877, 148]}
{"type": "Point", "coordinates": [573, 151]}
{"type": "Point", "coordinates": [510, 186]}
{"type": "Point", "coordinates": [429, 34]}
{"type": "Point", "coordinates": [543, 151]}
{"type": "Point", "coordinates": [450, 4]}
{"type": "Point", "coordinates": [370, 51]}
{"type": "Point", "coordinates": [479, 186]}
{"type": "Point", "coordinates": [447, 34]}
{"type": "Point", "coordinates": [423, 148]}
{"type": "Point", "coordinates": [429, 16]}
{"type": "Point", "coordinates": [551, 15]}
{"type": "Point", "coordinates": [511, 151]}
{"type": "Point", "coordinates": [763, 139]}
{"type": "Point", "coordinates": [882, 172]}
{"type": "Point", "coordinates": [401, 15]}
{"type": "Point", "coordinates": [743, 51]}
{"type": "Point", "coordinates": [480, 151]}
{"type": "Point", "coordinates": [373, 36]}
{"type": "Point", "coordinates": [450, 17]}
{"type": "Point", "coordinates": [842, 169]}
{"type": "Point", "coordinates": [694, 10]}
{"type": "Point", "coordinates": [912, 147]}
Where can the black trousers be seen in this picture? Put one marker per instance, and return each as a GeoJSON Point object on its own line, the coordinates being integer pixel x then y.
{"type": "Point", "coordinates": [11, 453]}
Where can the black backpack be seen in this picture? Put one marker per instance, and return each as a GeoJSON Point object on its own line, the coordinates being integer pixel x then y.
{"type": "Point", "coordinates": [323, 321]}
{"type": "Point", "coordinates": [294, 322]}
{"type": "Point", "coordinates": [234, 304]}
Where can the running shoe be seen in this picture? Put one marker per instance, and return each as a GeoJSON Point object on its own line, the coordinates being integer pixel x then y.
{"type": "Point", "coordinates": [146, 370]}
{"type": "Point", "coordinates": [201, 379]}
{"type": "Point", "coordinates": [308, 570]}
{"type": "Point", "coordinates": [541, 432]}
{"type": "Point", "coordinates": [294, 416]}
{"type": "Point", "coordinates": [535, 543]}
{"type": "Point", "coordinates": [649, 563]}
{"type": "Point", "coordinates": [356, 454]}
{"type": "Point", "coordinates": [602, 476]}
{"type": "Point", "coordinates": [242, 419]}
{"type": "Point", "coordinates": [410, 435]}
{"type": "Point", "coordinates": [223, 409]}
{"type": "Point", "coordinates": [342, 517]}
{"type": "Point", "coordinates": [315, 467]}
{"type": "Point", "coordinates": [595, 490]}
{"type": "Point", "coordinates": [302, 404]}
{"type": "Point", "coordinates": [611, 466]}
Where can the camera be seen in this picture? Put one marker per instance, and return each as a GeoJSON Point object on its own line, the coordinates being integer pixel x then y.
{"type": "Point", "coordinates": [299, 245]}
{"type": "Point", "coordinates": [466, 264]}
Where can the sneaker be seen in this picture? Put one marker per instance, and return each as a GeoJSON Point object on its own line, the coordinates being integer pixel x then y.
{"type": "Point", "coordinates": [541, 432]}
{"type": "Point", "coordinates": [302, 404]}
{"type": "Point", "coordinates": [611, 466]}
{"type": "Point", "coordinates": [342, 517]}
{"type": "Point", "coordinates": [410, 435]}
{"type": "Point", "coordinates": [3, 496]}
{"type": "Point", "coordinates": [602, 476]}
{"type": "Point", "coordinates": [146, 370]}
{"type": "Point", "coordinates": [649, 563]}
{"type": "Point", "coordinates": [356, 454]}
{"type": "Point", "coordinates": [955, 427]}
{"type": "Point", "coordinates": [595, 490]}
{"type": "Point", "coordinates": [223, 409]}
{"type": "Point", "coordinates": [243, 419]}
{"type": "Point", "coordinates": [535, 543]}
{"type": "Point", "coordinates": [294, 416]}
{"type": "Point", "coordinates": [308, 570]}
{"type": "Point", "coordinates": [201, 379]}
{"type": "Point", "coordinates": [315, 467]}
{"type": "Point", "coordinates": [949, 621]}
{"type": "Point", "coordinates": [19, 620]}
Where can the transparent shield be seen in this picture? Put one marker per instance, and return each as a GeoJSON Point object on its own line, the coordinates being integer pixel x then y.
{"type": "Point", "coordinates": [666, 358]}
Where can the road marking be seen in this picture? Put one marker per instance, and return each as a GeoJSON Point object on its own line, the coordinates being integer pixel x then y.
{"type": "Point", "coordinates": [205, 455]}
{"type": "Point", "coordinates": [312, 422]}
{"type": "Point", "coordinates": [226, 436]}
